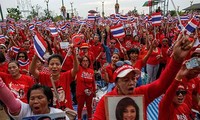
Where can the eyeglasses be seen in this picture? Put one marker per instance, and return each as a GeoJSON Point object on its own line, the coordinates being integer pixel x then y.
{"type": "Point", "coordinates": [183, 92]}
{"type": "Point", "coordinates": [1, 47]}
{"type": "Point", "coordinates": [125, 62]}
{"type": "Point", "coordinates": [21, 56]}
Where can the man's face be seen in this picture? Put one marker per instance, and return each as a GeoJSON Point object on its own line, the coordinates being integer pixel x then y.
{"type": "Point", "coordinates": [127, 84]}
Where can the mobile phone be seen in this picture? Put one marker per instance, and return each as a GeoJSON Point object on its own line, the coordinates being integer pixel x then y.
{"type": "Point", "coordinates": [192, 63]}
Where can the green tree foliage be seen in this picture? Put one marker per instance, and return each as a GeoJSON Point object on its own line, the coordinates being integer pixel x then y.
{"type": "Point", "coordinates": [14, 13]}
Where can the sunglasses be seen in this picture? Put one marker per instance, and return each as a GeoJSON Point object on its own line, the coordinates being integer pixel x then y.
{"type": "Point", "coordinates": [21, 56]}
{"type": "Point", "coordinates": [183, 92]}
{"type": "Point", "coordinates": [121, 63]}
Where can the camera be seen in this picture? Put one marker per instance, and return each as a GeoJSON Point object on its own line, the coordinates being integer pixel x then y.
{"type": "Point", "coordinates": [192, 63]}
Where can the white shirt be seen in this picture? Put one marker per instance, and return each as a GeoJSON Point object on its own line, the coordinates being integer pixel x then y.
{"type": "Point", "coordinates": [27, 112]}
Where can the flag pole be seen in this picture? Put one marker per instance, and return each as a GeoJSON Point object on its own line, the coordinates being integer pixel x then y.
{"type": "Point", "coordinates": [70, 49]}
{"type": "Point", "coordinates": [179, 20]}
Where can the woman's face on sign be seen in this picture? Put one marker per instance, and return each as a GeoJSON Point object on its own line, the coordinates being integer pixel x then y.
{"type": "Point", "coordinates": [129, 113]}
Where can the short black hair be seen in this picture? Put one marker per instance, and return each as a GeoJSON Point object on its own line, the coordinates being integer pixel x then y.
{"type": "Point", "coordinates": [133, 50]}
{"type": "Point", "coordinates": [122, 105]}
{"type": "Point", "coordinates": [46, 90]}
{"type": "Point", "coordinates": [60, 58]}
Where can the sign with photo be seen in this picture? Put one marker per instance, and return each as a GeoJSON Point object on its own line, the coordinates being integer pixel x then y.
{"type": "Point", "coordinates": [124, 107]}
{"type": "Point", "coordinates": [53, 116]}
{"type": "Point", "coordinates": [64, 45]}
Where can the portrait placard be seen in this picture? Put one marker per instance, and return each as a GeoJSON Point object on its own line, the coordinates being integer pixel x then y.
{"type": "Point", "coordinates": [124, 107]}
{"type": "Point", "coordinates": [64, 45]}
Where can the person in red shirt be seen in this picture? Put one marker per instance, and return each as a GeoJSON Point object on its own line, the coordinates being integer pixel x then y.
{"type": "Point", "coordinates": [85, 88]}
{"type": "Point", "coordinates": [165, 57]}
{"type": "Point", "coordinates": [54, 76]}
{"type": "Point", "coordinates": [172, 105]}
{"type": "Point", "coordinates": [16, 82]}
{"type": "Point", "coordinates": [153, 62]}
{"type": "Point", "coordinates": [86, 52]}
{"type": "Point", "coordinates": [108, 70]}
{"type": "Point", "coordinates": [125, 80]}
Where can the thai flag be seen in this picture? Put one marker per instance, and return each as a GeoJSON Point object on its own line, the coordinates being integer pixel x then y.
{"type": "Point", "coordinates": [11, 29]}
{"type": "Point", "coordinates": [191, 26]}
{"type": "Point", "coordinates": [82, 22]}
{"type": "Point", "coordinates": [15, 49]}
{"type": "Point", "coordinates": [23, 62]}
{"type": "Point", "coordinates": [31, 27]}
{"type": "Point", "coordinates": [39, 46]}
{"type": "Point", "coordinates": [2, 39]}
{"type": "Point", "coordinates": [184, 18]}
{"type": "Point", "coordinates": [53, 30]}
{"type": "Point", "coordinates": [117, 15]}
{"type": "Point", "coordinates": [91, 17]}
{"type": "Point", "coordinates": [117, 31]}
{"type": "Point", "coordinates": [156, 19]}
{"type": "Point", "coordinates": [64, 27]}
{"type": "Point", "coordinates": [38, 23]}
{"type": "Point", "coordinates": [123, 18]}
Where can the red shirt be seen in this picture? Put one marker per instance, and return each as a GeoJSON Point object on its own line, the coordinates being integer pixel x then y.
{"type": "Point", "coordinates": [152, 58]}
{"type": "Point", "coordinates": [150, 91]}
{"type": "Point", "coordinates": [168, 110]}
{"type": "Point", "coordinates": [20, 86]}
{"type": "Point", "coordinates": [85, 80]}
{"type": "Point", "coordinates": [96, 48]}
{"type": "Point", "coordinates": [4, 67]}
{"type": "Point", "coordinates": [62, 86]}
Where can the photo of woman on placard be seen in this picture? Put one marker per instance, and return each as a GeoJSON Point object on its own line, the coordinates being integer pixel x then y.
{"type": "Point", "coordinates": [127, 109]}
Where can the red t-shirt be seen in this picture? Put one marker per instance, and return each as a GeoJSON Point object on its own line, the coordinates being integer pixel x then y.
{"type": "Point", "coordinates": [4, 67]}
{"type": "Point", "coordinates": [20, 86]}
{"type": "Point", "coordinates": [62, 86]}
{"type": "Point", "coordinates": [85, 80]}
{"type": "Point", "coordinates": [168, 110]}
{"type": "Point", "coordinates": [96, 49]}
{"type": "Point", "coordinates": [150, 91]}
{"type": "Point", "coordinates": [152, 58]}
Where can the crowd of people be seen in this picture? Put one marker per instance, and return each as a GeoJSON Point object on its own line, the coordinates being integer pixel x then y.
{"type": "Point", "coordinates": [63, 77]}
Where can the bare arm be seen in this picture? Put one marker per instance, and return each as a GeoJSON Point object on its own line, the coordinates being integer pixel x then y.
{"type": "Point", "coordinates": [7, 97]}
{"type": "Point", "coordinates": [33, 68]}
{"type": "Point", "coordinates": [75, 63]}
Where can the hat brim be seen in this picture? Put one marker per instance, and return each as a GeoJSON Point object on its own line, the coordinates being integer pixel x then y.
{"type": "Point", "coordinates": [125, 72]}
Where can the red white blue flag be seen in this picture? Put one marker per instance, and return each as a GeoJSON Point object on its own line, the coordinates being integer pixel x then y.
{"type": "Point", "coordinates": [91, 17]}
{"type": "Point", "coordinates": [53, 30]}
{"type": "Point", "coordinates": [2, 39]}
{"type": "Point", "coordinates": [15, 49]}
{"type": "Point", "coordinates": [117, 31]}
{"type": "Point", "coordinates": [23, 62]}
{"type": "Point", "coordinates": [156, 19]}
{"type": "Point", "coordinates": [39, 45]}
{"type": "Point", "coordinates": [191, 26]}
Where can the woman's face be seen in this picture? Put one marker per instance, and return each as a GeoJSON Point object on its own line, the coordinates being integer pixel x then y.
{"type": "Point", "coordinates": [13, 69]}
{"type": "Point", "coordinates": [133, 56]}
{"type": "Point", "coordinates": [38, 102]}
{"type": "Point", "coordinates": [129, 113]}
{"type": "Point", "coordinates": [55, 66]}
{"type": "Point", "coordinates": [115, 58]}
{"type": "Point", "coordinates": [85, 62]}
{"type": "Point", "coordinates": [21, 56]}
{"type": "Point", "coordinates": [2, 49]}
